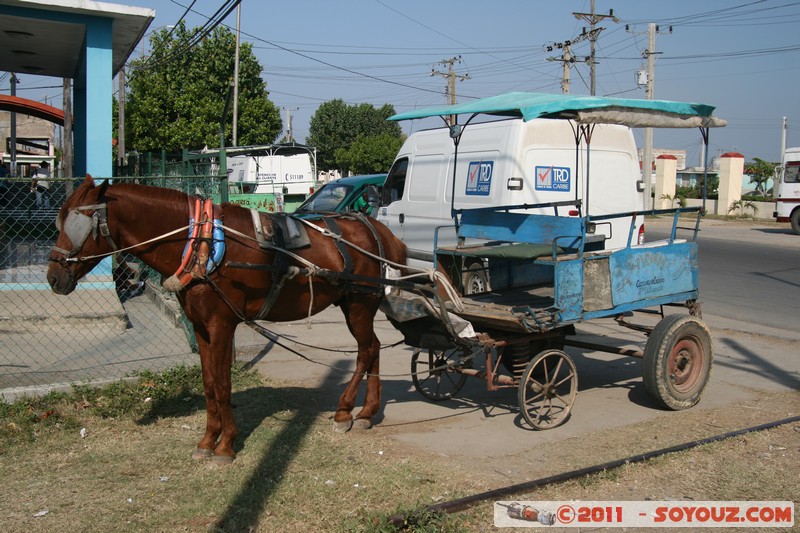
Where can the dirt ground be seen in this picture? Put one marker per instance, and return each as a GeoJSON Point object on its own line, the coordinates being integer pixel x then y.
{"type": "Point", "coordinates": [778, 449]}
{"type": "Point", "coordinates": [481, 437]}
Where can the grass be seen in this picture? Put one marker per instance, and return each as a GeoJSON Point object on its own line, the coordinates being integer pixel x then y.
{"type": "Point", "coordinates": [151, 395]}
{"type": "Point", "coordinates": [130, 470]}
{"type": "Point", "coordinates": [117, 457]}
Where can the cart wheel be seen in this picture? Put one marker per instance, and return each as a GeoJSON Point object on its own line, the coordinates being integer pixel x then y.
{"type": "Point", "coordinates": [547, 389]}
{"type": "Point", "coordinates": [436, 374]}
{"type": "Point", "coordinates": [677, 361]}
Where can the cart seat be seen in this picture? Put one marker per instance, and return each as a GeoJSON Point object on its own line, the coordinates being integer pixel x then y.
{"type": "Point", "coordinates": [532, 235]}
{"type": "Point", "coordinates": [499, 250]}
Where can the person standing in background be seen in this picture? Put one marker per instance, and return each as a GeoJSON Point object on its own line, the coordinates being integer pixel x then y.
{"type": "Point", "coordinates": [40, 185]}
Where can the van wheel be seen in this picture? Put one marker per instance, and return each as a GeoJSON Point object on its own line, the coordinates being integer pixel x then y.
{"type": "Point", "coordinates": [796, 221]}
{"type": "Point", "coordinates": [474, 279]}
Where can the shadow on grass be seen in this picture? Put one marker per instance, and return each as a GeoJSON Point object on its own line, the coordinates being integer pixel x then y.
{"type": "Point", "coordinates": [249, 503]}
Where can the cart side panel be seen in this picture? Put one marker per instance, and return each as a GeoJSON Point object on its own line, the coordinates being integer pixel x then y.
{"type": "Point", "coordinates": [642, 274]}
{"type": "Point", "coordinates": [597, 284]}
{"type": "Point", "coordinates": [569, 290]}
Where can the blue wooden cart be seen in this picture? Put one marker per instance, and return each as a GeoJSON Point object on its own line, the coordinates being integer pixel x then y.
{"type": "Point", "coordinates": [545, 280]}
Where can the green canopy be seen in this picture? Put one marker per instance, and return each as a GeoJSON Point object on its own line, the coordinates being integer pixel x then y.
{"type": "Point", "coordinates": [582, 109]}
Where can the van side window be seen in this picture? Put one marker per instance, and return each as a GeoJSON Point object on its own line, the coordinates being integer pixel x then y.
{"type": "Point", "coordinates": [792, 173]}
{"type": "Point", "coordinates": [395, 182]}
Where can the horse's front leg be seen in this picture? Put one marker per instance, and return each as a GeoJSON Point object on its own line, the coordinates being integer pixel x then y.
{"type": "Point", "coordinates": [359, 315]}
{"type": "Point", "coordinates": [205, 448]}
{"type": "Point", "coordinates": [216, 356]}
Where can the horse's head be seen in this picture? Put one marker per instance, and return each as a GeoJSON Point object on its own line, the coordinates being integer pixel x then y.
{"type": "Point", "coordinates": [80, 245]}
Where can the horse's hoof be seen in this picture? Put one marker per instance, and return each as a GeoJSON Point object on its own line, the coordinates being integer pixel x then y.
{"type": "Point", "coordinates": [221, 460]}
{"type": "Point", "coordinates": [362, 423]}
{"type": "Point", "coordinates": [201, 453]}
{"type": "Point", "coordinates": [343, 426]}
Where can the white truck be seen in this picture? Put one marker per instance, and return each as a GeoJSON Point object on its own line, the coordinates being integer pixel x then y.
{"type": "Point", "coordinates": [270, 182]}
{"type": "Point", "coordinates": [787, 190]}
{"type": "Point", "coordinates": [509, 163]}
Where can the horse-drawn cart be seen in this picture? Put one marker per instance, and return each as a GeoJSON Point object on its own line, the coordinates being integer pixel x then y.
{"type": "Point", "coordinates": [545, 279]}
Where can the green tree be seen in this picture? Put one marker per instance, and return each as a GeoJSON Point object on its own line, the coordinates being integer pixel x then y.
{"type": "Point", "coordinates": [177, 95]}
{"type": "Point", "coordinates": [335, 126]}
{"type": "Point", "coordinates": [369, 155]}
{"type": "Point", "coordinates": [760, 172]}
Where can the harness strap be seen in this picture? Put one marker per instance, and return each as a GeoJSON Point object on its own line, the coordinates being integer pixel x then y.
{"type": "Point", "coordinates": [280, 266]}
{"type": "Point", "coordinates": [364, 219]}
{"type": "Point", "coordinates": [333, 227]}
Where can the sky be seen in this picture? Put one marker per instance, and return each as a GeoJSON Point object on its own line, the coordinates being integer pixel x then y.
{"type": "Point", "coordinates": [743, 57]}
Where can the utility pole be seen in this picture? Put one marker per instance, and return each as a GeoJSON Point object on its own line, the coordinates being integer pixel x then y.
{"type": "Point", "coordinates": [66, 158]}
{"type": "Point", "coordinates": [785, 125]}
{"type": "Point", "coordinates": [289, 135]}
{"type": "Point", "coordinates": [12, 150]}
{"type": "Point", "coordinates": [647, 152]}
{"type": "Point", "coordinates": [121, 119]}
{"type": "Point", "coordinates": [235, 125]}
{"type": "Point", "coordinates": [450, 90]}
{"type": "Point", "coordinates": [593, 18]}
{"type": "Point", "coordinates": [567, 58]}
{"type": "Point", "coordinates": [649, 78]}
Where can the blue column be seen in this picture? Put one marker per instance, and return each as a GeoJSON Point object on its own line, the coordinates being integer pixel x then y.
{"type": "Point", "coordinates": [92, 99]}
{"type": "Point", "coordinates": [92, 108]}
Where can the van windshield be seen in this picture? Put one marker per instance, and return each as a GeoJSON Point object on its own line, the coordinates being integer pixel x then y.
{"type": "Point", "coordinates": [792, 174]}
{"type": "Point", "coordinates": [328, 198]}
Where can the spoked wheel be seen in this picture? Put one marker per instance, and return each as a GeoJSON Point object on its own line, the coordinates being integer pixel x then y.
{"type": "Point", "coordinates": [677, 361]}
{"type": "Point", "coordinates": [435, 373]}
{"type": "Point", "coordinates": [547, 389]}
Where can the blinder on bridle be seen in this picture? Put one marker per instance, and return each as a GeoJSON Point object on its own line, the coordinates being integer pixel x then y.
{"type": "Point", "coordinates": [78, 227]}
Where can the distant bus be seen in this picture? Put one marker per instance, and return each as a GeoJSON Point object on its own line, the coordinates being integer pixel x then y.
{"type": "Point", "coordinates": [787, 196]}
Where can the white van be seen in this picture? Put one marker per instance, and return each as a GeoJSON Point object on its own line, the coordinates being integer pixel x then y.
{"type": "Point", "coordinates": [509, 163]}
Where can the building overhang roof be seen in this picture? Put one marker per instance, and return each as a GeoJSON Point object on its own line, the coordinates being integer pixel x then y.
{"type": "Point", "coordinates": [47, 37]}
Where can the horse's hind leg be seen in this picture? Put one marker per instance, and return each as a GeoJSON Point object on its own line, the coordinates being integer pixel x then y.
{"type": "Point", "coordinates": [359, 312]}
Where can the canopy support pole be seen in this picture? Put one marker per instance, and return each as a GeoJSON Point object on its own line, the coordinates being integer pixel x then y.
{"type": "Point", "coordinates": [704, 131]}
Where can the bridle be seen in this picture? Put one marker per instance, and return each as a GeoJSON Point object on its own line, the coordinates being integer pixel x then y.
{"type": "Point", "coordinates": [78, 226]}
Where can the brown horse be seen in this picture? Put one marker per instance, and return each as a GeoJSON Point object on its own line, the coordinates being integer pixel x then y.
{"type": "Point", "coordinates": [152, 222]}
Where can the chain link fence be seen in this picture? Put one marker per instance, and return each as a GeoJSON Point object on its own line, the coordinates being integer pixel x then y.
{"type": "Point", "coordinates": [117, 322]}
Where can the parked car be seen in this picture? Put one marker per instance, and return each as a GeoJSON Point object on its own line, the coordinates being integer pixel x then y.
{"type": "Point", "coordinates": [354, 193]}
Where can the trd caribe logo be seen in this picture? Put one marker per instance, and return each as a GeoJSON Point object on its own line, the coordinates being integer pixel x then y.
{"type": "Point", "coordinates": [479, 178]}
{"type": "Point", "coordinates": [553, 179]}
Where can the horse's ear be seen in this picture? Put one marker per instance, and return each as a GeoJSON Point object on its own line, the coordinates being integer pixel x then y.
{"type": "Point", "coordinates": [88, 181]}
{"type": "Point", "coordinates": [103, 187]}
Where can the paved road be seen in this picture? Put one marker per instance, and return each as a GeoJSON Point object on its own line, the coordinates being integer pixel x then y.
{"type": "Point", "coordinates": [750, 359]}
{"type": "Point", "coordinates": [749, 271]}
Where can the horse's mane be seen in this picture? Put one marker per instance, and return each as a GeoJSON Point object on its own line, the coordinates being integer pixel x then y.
{"type": "Point", "coordinates": [156, 194]}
